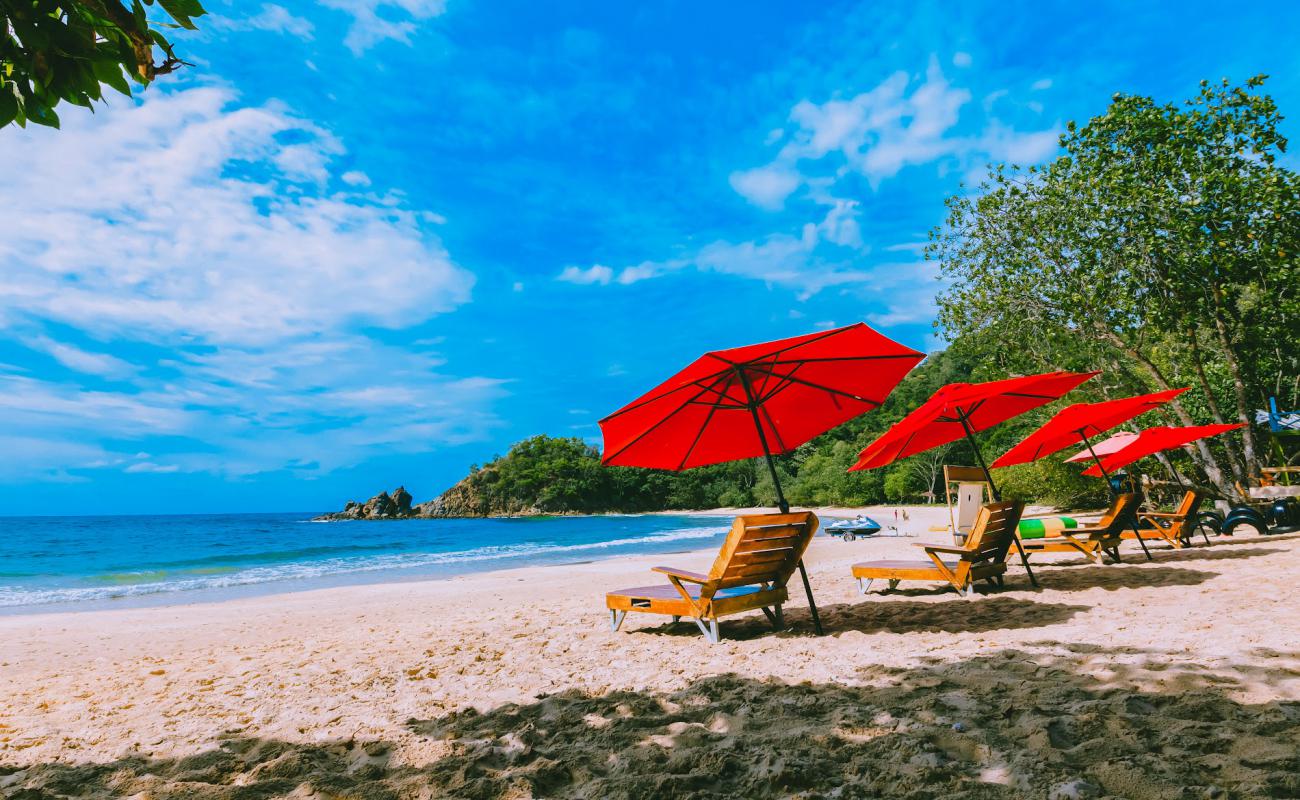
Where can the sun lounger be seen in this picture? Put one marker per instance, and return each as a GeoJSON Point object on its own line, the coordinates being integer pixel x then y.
{"type": "Point", "coordinates": [751, 571]}
{"type": "Point", "coordinates": [1103, 536]}
{"type": "Point", "coordinates": [1177, 527]}
{"type": "Point", "coordinates": [982, 557]}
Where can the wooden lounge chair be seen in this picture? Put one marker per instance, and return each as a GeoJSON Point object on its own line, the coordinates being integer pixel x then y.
{"type": "Point", "coordinates": [1177, 527]}
{"type": "Point", "coordinates": [760, 554]}
{"type": "Point", "coordinates": [982, 557]}
{"type": "Point", "coordinates": [1103, 536]}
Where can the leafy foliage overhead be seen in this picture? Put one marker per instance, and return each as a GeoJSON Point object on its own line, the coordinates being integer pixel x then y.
{"type": "Point", "coordinates": [1162, 247]}
{"type": "Point", "coordinates": [53, 51]}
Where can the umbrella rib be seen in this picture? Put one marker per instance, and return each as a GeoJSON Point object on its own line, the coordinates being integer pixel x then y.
{"type": "Point", "coordinates": [775, 432]}
{"type": "Point", "coordinates": [733, 364]}
{"type": "Point", "coordinates": [648, 400]}
{"type": "Point", "coordinates": [780, 350]}
{"type": "Point", "coordinates": [844, 358]}
{"type": "Point", "coordinates": [849, 395]}
{"type": "Point", "coordinates": [698, 436]}
{"type": "Point", "coordinates": [648, 430]}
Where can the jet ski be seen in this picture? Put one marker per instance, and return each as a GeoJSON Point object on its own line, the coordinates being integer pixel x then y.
{"type": "Point", "coordinates": [850, 529]}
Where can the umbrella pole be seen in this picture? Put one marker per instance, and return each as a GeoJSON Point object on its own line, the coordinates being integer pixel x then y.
{"type": "Point", "coordinates": [993, 490]}
{"type": "Point", "coordinates": [780, 497]}
{"type": "Point", "coordinates": [1106, 475]}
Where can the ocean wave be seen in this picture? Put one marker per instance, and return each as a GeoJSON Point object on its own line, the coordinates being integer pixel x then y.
{"type": "Point", "coordinates": [147, 582]}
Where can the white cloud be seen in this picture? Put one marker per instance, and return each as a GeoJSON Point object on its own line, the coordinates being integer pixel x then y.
{"type": "Point", "coordinates": [899, 123]}
{"type": "Point", "coordinates": [192, 219]}
{"type": "Point", "coordinates": [149, 466]}
{"type": "Point", "coordinates": [1041, 84]}
{"type": "Point", "coordinates": [820, 157]}
{"type": "Point", "coordinates": [85, 361]}
{"type": "Point", "coordinates": [223, 236]}
{"type": "Point", "coordinates": [374, 21]}
{"type": "Point", "coordinates": [272, 17]}
{"type": "Point", "coordinates": [596, 273]}
{"type": "Point", "coordinates": [356, 178]}
{"type": "Point", "coordinates": [961, 59]}
{"type": "Point", "coordinates": [781, 258]}
{"type": "Point", "coordinates": [1004, 144]}
{"type": "Point", "coordinates": [766, 186]}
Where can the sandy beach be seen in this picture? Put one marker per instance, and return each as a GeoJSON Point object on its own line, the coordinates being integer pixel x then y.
{"type": "Point", "coordinates": [1174, 678]}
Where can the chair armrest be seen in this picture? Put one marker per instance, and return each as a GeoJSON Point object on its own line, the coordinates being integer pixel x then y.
{"type": "Point", "coordinates": [681, 574]}
{"type": "Point", "coordinates": [942, 548]}
{"type": "Point", "coordinates": [1160, 514]}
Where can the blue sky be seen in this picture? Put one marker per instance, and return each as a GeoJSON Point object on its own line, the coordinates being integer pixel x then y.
{"type": "Point", "coordinates": [371, 242]}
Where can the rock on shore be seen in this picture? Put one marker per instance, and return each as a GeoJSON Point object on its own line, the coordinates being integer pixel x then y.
{"type": "Point", "coordinates": [382, 506]}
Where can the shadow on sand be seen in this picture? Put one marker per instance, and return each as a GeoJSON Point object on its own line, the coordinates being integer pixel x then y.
{"type": "Point", "coordinates": [1007, 725]}
{"type": "Point", "coordinates": [1170, 556]}
{"type": "Point", "coordinates": [884, 614]}
{"type": "Point", "coordinates": [1119, 576]}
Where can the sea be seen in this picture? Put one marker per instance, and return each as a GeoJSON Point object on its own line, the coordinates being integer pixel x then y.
{"type": "Point", "coordinates": [83, 563]}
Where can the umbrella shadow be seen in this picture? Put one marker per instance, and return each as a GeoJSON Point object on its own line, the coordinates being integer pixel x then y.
{"type": "Point", "coordinates": [889, 615]}
{"type": "Point", "coordinates": [1008, 723]}
{"type": "Point", "coordinates": [1169, 556]}
{"type": "Point", "coordinates": [1120, 576]}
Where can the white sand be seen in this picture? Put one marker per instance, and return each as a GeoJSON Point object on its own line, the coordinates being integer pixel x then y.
{"type": "Point", "coordinates": [1133, 680]}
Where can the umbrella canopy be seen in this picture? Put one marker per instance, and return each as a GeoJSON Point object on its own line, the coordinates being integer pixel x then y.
{"type": "Point", "coordinates": [959, 409]}
{"type": "Point", "coordinates": [1080, 422]}
{"type": "Point", "coordinates": [759, 400]}
{"type": "Point", "coordinates": [1154, 440]}
{"type": "Point", "coordinates": [1106, 447]}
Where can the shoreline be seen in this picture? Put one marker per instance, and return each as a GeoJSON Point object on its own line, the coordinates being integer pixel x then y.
{"type": "Point", "coordinates": [150, 595]}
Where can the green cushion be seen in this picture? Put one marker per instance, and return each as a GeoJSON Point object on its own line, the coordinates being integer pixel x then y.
{"type": "Point", "coordinates": [1045, 526]}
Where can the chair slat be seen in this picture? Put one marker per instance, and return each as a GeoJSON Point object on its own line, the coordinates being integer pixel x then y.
{"type": "Point", "coordinates": [767, 544]}
{"type": "Point", "coordinates": [762, 557]}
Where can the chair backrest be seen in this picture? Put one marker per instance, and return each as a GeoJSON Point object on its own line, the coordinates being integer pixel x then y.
{"type": "Point", "coordinates": [994, 530]}
{"type": "Point", "coordinates": [1118, 516]}
{"type": "Point", "coordinates": [763, 548]}
{"type": "Point", "coordinates": [1190, 505]}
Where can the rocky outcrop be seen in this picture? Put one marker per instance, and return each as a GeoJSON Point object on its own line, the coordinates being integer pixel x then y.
{"type": "Point", "coordinates": [382, 506]}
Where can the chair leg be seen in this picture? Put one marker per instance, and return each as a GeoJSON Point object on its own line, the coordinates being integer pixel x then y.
{"type": "Point", "coordinates": [708, 627]}
{"type": "Point", "coordinates": [893, 584]}
{"type": "Point", "coordinates": [864, 585]}
{"type": "Point", "coordinates": [616, 619]}
{"type": "Point", "coordinates": [676, 619]}
{"type": "Point", "coordinates": [780, 619]}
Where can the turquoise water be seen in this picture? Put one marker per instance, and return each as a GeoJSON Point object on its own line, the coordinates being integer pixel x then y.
{"type": "Point", "coordinates": [53, 563]}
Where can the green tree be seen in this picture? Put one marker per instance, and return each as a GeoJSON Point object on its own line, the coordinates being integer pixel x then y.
{"type": "Point", "coordinates": [53, 51]}
{"type": "Point", "coordinates": [1160, 247]}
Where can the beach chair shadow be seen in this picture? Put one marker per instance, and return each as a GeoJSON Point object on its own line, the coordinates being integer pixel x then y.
{"type": "Point", "coordinates": [1076, 580]}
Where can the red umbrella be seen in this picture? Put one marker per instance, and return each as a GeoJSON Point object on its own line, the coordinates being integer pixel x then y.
{"type": "Point", "coordinates": [959, 410]}
{"type": "Point", "coordinates": [1154, 440]}
{"type": "Point", "coordinates": [1112, 444]}
{"type": "Point", "coordinates": [1080, 422]}
{"type": "Point", "coordinates": [759, 400]}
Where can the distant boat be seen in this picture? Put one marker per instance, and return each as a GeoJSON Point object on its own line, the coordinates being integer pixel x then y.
{"type": "Point", "coordinates": [850, 529]}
